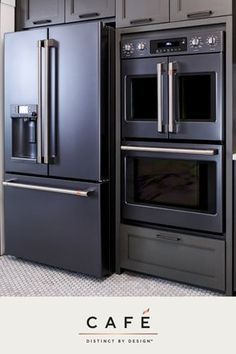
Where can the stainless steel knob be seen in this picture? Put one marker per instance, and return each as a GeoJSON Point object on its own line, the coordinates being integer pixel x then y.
{"type": "Point", "coordinates": [195, 42]}
{"type": "Point", "coordinates": [127, 47]}
{"type": "Point", "coordinates": [141, 46]}
{"type": "Point", "coordinates": [211, 40]}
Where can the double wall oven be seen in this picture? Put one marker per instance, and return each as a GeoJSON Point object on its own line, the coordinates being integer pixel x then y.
{"type": "Point", "coordinates": [173, 129]}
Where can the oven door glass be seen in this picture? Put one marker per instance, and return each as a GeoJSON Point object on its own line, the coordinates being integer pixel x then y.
{"type": "Point", "coordinates": [177, 185]}
{"type": "Point", "coordinates": [181, 184]}
{"type": "Point", "coordinates": [145, 98]}
{"type": "Point", "coordinates": [141, 97]}
{"type": "Point", "coordinates": [197, 99]}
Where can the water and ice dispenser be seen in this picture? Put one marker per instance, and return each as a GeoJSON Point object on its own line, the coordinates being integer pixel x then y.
{"type": "Point", "coordinates": [24, 131]}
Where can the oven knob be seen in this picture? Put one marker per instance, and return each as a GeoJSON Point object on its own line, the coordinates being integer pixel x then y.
{"type": "Point", "coordinates": [127, 48]}
{"type": "Point", "coordinates": [211, 40]}
{"type": "Point", "coordinates": [195, 42]}
{"type": "Point", "coordinates": [141, 46]}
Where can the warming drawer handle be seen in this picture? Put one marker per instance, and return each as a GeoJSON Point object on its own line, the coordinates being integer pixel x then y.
{"type": "Point", "coordinates": [204, 152]}
{"type": "Point", "coordinates": [168, 238]}
{"type": "Point", "coordinates": [77, 193]}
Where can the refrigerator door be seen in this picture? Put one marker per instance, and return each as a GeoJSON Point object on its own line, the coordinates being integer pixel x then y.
{"type": "Point", "coordinates": [53, 222]}
{"type": "Point", "coordinates": [23, 91]}
{"type": "Point", "coordinates": [77, 102]}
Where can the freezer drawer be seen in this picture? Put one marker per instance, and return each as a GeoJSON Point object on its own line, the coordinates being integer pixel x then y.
{"type": "Point", "coordinates": [189, 259]}
{"type": "Point", "coordinates": [58, 223]}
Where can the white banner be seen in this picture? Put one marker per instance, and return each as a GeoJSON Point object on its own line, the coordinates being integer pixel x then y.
{"type": "Point", "coordinates": [117, 325]}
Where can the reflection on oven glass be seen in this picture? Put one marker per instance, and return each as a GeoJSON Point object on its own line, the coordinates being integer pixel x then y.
{"type": "Point", "coordinates": [176, 183]}
{"type": "Point", "coordinates": [197, 97]}
{"type": "Point", "coordinates": [143, 103]}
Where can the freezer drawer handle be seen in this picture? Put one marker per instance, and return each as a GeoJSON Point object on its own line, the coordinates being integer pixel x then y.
{"type": "Point", "coordinates": [77, 193]}
{"type": "Point", "coordinates": [204, 152]}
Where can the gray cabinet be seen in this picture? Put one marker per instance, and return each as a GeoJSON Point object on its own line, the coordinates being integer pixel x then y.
{"type": "Point", "coordinates": [185, 258]}
{"type": "Point", "coordinates": [139, 12]}
{"type": "Point", "coordinates": [192, 9]}
{"type": "Point", "coordinates": [34, 13]}
{"type": "Point", "coordinates": [77, 10]}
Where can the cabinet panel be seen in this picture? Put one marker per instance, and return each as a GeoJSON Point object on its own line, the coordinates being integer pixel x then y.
{"type": "Point", "coordinates": [55, 228]}
{"type": "Point", "coordinates": [189, 259]}
{"type": "Point", "coordinates": [33, 13]}
{"type": "Point", "coordinates": [79, 10]}
{"type": "Point", "coordinates": [192, 9]}
{"type": "Point", "coordinates": [139, 12]}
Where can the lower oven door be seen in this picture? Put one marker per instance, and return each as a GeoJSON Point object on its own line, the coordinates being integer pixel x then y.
{"type": "Point", "coordinates": [174, 185]}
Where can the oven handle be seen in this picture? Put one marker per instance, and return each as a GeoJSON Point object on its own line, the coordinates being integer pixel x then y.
{"type": "Point", "coordinates": [77, 193]}
{"type": "Point", "coordinates": [171, 97]}
{"type": "Point", "coordinates": [160, 97]}
{"type": "Point", "coordinates": [203, 152]}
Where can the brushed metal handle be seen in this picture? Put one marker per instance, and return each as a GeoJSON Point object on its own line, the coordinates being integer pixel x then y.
{"type": "Point", "coordinates": [140, 21]}
{"type": "Point", "coordinates": [160, 97]}
{"type": "Point", "coordinates": [171, 97]}
{"type": "Point", "coordinates": [200, 14]}
{"type": "Point", "coordinates": [46, 116]}
{"type": "Point", "coordinates": [41, 22]}
{"type": "Point", "coordinates": [39, 119]}
{"type": "Point", "coordinates": [49, 43]}
{"type": "Point", "coordinates": [168, 238]}
{"type": "Point", "coordinates": [77, 193]}
{"type": "Point", "coordinates": [203, 152]}
{"type": "Point", "coordinates": [88, 15]}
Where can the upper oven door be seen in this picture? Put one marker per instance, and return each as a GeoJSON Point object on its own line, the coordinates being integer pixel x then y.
{"type": "Point", "coordinates": [144, 98]}
{"type": "Point", "coordinates": [173, 185]}
{"type": "Point", "coordinates": [196, 96]}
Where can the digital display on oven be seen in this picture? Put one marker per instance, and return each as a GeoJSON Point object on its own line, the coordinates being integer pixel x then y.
{"type": "Point", "coordinates": [168, 45]}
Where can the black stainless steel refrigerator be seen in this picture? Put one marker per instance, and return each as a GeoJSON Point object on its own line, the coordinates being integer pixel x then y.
{"type": "Point", "coordinates": [58, 146]}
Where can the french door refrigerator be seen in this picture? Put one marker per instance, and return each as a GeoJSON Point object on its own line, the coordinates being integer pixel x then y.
{"type": "Point", "coordinates": [58, 146]}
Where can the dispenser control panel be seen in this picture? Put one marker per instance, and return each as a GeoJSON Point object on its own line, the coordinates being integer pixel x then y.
{"type": "Point", "coordinates": [24, 111]}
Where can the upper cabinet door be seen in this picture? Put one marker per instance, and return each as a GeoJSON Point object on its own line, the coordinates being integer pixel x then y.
{"type": "Point", "coordinates": [140, 12]}
{"type": "Point", "coordinates": [34, 13]}
{"type": "Point", "coordinates": [195, 9]}
{"type": "Point", "coordinates": [77, 10]}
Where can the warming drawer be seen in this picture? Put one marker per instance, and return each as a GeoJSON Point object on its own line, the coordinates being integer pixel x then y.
{"type": "Point", "coordinates": [58, 223]}
{"type": "Point", "coordinates": [189, 259]}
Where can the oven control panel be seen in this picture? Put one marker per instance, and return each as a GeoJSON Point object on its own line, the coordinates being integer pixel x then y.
{"type": "Point", "coordinates": [199, 41]}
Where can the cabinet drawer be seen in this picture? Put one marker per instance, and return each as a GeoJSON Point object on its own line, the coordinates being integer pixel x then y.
{"type": "Point", "coordinates": [139, 12]}
{"type": "Point", "coordinates": [189, 259]}
{"type": "Point", "coordinates": [35, 13]}
{"type": "Point", "coordinates": [55, 228]}
{"type": "Point", "coordinates": [80, 10]}
{"type": "Point", "coordinates": [192, 9]}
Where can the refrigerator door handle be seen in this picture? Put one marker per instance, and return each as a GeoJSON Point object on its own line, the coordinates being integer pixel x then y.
{"type": "Point", "coordinates": [49, 43]}
{"type": "Point", "coordinates": [39, 119]}
{"type": "Point", "coordinates": [77, 193]}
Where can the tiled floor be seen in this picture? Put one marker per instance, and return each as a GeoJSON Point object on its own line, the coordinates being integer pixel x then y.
{"type": "Point", "coordinates": [20, 278]}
